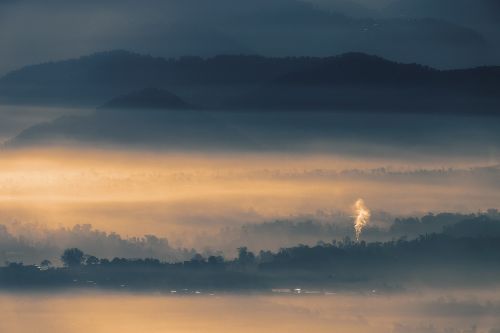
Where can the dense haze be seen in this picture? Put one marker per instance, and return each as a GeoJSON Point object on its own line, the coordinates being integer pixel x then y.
{"type": "Point", "coordinates": [122, 153]}
{"type": "Point", "coordinates": [250, 166]}
{"type": "Point", "coordinates": [202, 201]}
{"type": "Point", "coordinates": [459, 311]}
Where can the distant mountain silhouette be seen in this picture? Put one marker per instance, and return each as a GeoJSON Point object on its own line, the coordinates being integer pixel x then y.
{"type": "Point", "coordinates": [357, 68]}
{"type": "Point", "coordinates": [357, 81]}
{"type": "Point", "coordinates": [150, 117]}
{"type": "Point", "coordinates": [95, 79]}
{"type": "Point", "coordinates": [274, 28]}
{"type": "Point", "coordinates": [352, 81]}
{"type": "Point", "coordinates": [147, 99]}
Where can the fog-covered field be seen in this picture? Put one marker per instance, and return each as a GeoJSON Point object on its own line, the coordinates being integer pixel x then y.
{"type": "Point", "coordinates": [368, 312]}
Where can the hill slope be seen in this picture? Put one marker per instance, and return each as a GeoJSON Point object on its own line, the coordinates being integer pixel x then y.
{"type": "Point", "coordinates": [147, 99]}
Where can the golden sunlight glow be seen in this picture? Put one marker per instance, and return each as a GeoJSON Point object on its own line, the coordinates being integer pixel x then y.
{"type": "Point", "coordinates": [134, 193]}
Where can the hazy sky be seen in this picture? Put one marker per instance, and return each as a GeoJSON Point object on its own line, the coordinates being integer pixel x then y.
{"type": "Point", "coordinates": [34, 31]}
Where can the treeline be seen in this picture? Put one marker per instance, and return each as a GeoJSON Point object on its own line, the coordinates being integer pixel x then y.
{"type": "Point", "coordinates": [310, 229]}
{"type": "Point", "coordinates": [17, 243]}
{"type": "Point", "coordinates": [447, 259]}
{"type": "Point", "coordinates": [31, 243]}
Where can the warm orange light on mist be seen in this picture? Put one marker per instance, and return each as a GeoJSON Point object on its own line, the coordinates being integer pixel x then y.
{"type": "Point", "coordinates": [146, 192]}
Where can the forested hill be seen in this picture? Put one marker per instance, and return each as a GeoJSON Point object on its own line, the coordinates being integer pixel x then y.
{"type": "Point", "coordinates": [348, 81]}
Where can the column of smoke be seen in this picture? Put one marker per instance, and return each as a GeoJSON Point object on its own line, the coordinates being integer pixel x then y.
{"type": "Point", "coordinates": [362, 217]}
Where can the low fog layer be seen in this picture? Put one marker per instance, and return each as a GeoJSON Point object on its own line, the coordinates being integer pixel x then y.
{"type": "Point", "coordinates": [359, 135]}
{"type": "Point", "coordinates": [433, 311]}
{"type": "Point", "coordinates": [15, 119]}
{"type": "Point", "coordinates": [137, 193]}
{"type": "Point", "coordinates": [31, 243]}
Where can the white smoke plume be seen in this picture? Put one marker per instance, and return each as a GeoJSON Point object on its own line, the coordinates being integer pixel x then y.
{"type": "Point", "coordinates": [362, 217]}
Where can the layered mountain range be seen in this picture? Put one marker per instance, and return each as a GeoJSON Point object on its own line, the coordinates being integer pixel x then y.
{"type": "Point", "coordinates": [351, 81]}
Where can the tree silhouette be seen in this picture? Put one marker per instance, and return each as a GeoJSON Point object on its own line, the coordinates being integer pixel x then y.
{"type": "Point", "coordinates": [91, 260]}
{"type": "Point", "coordinates": [245, 257]}
{"type": "Point", "coordinates": [72, 257]}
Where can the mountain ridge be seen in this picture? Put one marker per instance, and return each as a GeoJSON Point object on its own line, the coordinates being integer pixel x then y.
{"type": "Point", "coordinates": [252, 81]}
